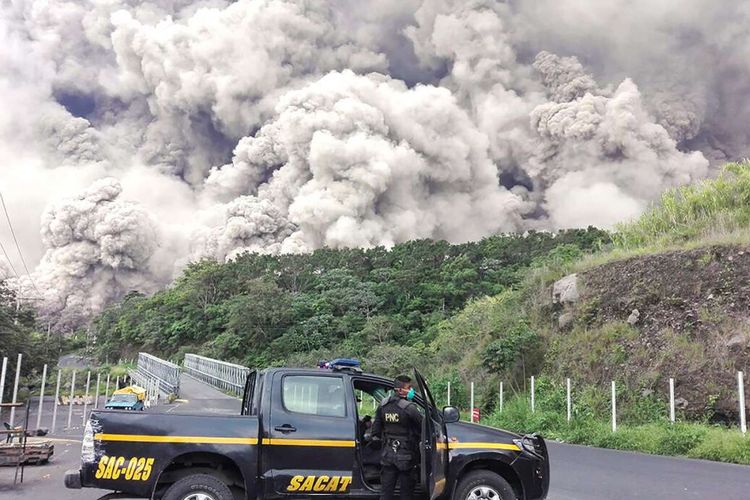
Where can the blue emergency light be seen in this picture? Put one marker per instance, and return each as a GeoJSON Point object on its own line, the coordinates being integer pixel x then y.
{"type": "Point", "coordinates": [341, 364]}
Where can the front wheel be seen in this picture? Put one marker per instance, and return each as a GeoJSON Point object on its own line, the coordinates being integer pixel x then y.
{"type": "Point", "coordinates": [484, 485]}
{"type": "Point", "coordinates": [198, 487]}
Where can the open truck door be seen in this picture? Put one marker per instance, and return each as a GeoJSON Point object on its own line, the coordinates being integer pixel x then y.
{"type": "Point", "coordinates": [434, 465]}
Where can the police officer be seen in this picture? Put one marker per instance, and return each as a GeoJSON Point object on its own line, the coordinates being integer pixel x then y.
{"type": "Point", "coordinates": [398, 424]}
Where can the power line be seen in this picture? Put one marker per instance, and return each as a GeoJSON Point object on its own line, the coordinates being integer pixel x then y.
{"type": "Point", "coordinates": [8, 259]}
{"type": "Point", "coordinates": [15, 240]}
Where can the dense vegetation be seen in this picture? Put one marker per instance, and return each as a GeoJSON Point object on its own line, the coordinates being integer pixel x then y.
{"type": "Point", "coordinates": [384, 306]}
{"type": "Point", "coordinates": [20, 334]}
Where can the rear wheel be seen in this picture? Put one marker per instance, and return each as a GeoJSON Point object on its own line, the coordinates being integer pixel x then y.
{"type": "Point", "coordinates": [198, 487]}
{"type": "Point", "coordinates": [484, 485]}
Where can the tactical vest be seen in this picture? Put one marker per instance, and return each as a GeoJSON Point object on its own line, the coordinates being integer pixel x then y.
{"type": "Point", "coordinates": [396, 425]}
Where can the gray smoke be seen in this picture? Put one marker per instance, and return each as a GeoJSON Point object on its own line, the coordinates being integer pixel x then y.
{"type": "Point", "coordinates": [287, 125]}
{"type": "Point", "coordinates": [362, 161]}
{"type": "Point", "coordinates": [98, 247]}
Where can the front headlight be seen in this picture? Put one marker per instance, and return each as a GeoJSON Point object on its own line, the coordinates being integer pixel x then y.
{"type": "Point", "coordinates": [528, 444]}
{"type": "Point", "coordinates": [87, 448]}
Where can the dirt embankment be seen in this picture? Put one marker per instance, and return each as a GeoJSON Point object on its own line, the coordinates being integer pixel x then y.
{"type": "Point", "coordinates": [682, 314]}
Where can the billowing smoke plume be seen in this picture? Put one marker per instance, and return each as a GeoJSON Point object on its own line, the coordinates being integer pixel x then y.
{"type": "Point", "coordinates": [362, 161]}
{"type": "Point", "coordinates": [286, 125]}
{"type": "Point", "coordinates": [98, 248]}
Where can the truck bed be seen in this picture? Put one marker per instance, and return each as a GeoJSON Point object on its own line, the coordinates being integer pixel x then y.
{"type": "Point", "coordinates": [133, 449]}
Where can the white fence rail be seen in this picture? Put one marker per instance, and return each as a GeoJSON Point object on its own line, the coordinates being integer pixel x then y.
{"type": "Point", "coordinates": [152, 368]}
{"type": "Point", "coordinates": [220, 374]}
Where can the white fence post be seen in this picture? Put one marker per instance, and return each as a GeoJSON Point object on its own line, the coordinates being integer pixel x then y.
{"type": "Point", "coordinates": [501, 397]}
{"type": "Point", "coordinates": [741, 390]}
{"type": "Point", "coordinates": [533, 402]}
{"type": "Point", "coordinates": [15, 390]}
{"type": "Point", "coordinates": [56, 402]}
{"type": "Point", "coordinates": [472, 403]}
{"type": "Point", "coordinates": [449, 393]}
{"type": "Point", "coordinates": [671, 400]}
{"type": "Point", "coordinates": [86, 398]}
{"type": "Point", "coordinates": [96, 396]}
{"type": "Point", "coordinates": [2, 381]}
{"type": "Point", "coordinates": [106, 390]}
{"type": "Point", "coordinates": [567, 387]}
{"type": "Point", "coordinates": [614, 407]}
{"type": "Point", "coordinates": [70, 403]}
{"type": "Point", "coordinates": [41, 397]}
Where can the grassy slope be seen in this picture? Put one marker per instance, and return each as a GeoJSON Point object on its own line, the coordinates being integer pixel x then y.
{"type": "Point", "coordinates": [697, 237]}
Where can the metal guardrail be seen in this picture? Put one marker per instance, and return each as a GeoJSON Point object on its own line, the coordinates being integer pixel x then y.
{"type": "Point", "coordinates": [152, 368]}
{"type": "Point", "coordinates": [220, 374]}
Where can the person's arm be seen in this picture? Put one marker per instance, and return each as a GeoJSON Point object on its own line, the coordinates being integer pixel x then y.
{"type": "Point", "coordinates": [376, 430]}
{"type": "Point", "coordinates": [416, 418]}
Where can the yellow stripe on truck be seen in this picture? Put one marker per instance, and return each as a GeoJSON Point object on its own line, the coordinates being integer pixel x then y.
{"type": "Point", "coordinates": [480, 446]}
{"type": "Point", "coordinates": [139, 438]}
{"type": "Point", "coordinates": [332, 443]}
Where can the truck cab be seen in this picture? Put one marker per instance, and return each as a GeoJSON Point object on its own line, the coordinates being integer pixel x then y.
{"type": "Point", "coordinates": [301, 433]}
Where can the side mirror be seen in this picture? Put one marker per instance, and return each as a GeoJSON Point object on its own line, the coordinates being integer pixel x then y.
{"type": "Point", "coordinates": [451, 414]}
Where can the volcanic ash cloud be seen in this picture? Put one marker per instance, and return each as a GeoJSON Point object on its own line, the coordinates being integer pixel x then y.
{"type": "Point", "coordinates": [98, 248]}
{"type": "Point", "coordinates": [361, 161]}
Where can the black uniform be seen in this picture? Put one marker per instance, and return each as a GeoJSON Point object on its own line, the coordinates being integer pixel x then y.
{"type": "Point", "coordinates": [399, 424]}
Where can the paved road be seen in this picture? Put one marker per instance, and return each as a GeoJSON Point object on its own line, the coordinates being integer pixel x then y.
{"type": "Point", "coordinates": [583, 473]}
{"type": "Point", "coordinates": [578, 472]}
{"type": "Point", "coordinates": [202, 398]}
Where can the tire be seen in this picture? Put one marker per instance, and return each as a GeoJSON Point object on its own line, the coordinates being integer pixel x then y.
{"type": "Point", "coordinates": [198, 487]}
{"type": "Point", "coordinates": [484, 485]}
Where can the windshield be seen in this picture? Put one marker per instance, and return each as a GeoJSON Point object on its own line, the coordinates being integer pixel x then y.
{"type": "Point", "coordinates": [123, 398]}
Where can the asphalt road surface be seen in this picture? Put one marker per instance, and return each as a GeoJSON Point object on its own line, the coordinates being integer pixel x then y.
{"type": "Point", "coordinates": [583, 473]}
{"type": "Point", "coordinates": [578, 472]}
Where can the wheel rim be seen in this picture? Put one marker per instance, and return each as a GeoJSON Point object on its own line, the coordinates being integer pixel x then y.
{"type": "Point", "coordinates": [483, 492]}
{"type": "Point", "coordinates": [198, 496]}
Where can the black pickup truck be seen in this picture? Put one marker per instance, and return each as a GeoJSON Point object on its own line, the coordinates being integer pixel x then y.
{"type": "Point", "coordinates": [301, 434]}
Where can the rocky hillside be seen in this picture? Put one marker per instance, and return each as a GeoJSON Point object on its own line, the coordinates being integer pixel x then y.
{"type": "Point", "coordinates": [681, 314]}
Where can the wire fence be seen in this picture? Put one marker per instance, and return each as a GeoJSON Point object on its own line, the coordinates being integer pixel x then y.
{"type": "Point", "coordinates": [227, 377]}
{"type": "Point", "coordinates": [613, 400]}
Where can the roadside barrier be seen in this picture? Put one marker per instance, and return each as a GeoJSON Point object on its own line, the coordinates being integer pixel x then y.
{"type": "Point", "coordinates": [225, 376]}
{"type": "Point", "coordinates": [569, 400]}
{"type": "Point", "coordinates": [71, 392]}
{"type": "Point", "coordinates": [151, 368]}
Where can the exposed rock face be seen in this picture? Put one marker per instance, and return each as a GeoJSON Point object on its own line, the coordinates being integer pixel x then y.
{"type": "Point", "coordinates": [688, 317]}
{"type": "Point", "coordinates": [738, 341]}
{"type": "Point", "coordinates": [565, 290]}
{"type": "Point", "coordinates": [634, 317]}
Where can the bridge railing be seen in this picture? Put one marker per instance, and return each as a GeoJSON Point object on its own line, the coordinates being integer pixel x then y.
{"type": "Point", "coordinates": [150, 369]}
{"type": "Point", "coordinates": [220, 374]}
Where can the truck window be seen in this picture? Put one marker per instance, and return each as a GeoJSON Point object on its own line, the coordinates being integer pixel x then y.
{"type": "Point", "coordinates": [314, 395]}
{"type": "Point", "coordinates": [248, 399]}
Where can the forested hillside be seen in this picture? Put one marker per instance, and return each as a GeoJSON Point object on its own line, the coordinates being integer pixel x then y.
{"type": "Point", "coordinates": [384, 306]}
{"type": "Point", "coordinates": [20, 333]}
